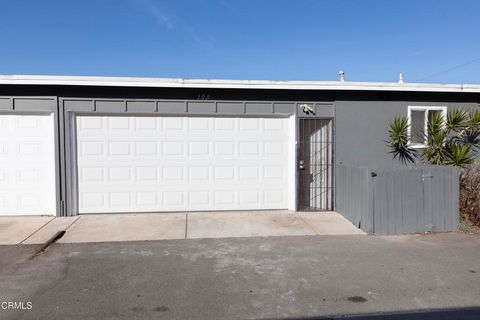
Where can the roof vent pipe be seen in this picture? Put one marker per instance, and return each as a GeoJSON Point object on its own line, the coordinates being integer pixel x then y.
{"type": "Point", "coordinates": [341, 73]}
{"type": "Point", "coordinates": [400, 78]}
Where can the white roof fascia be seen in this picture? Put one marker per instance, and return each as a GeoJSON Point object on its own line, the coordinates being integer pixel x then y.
{"type": "Point", "coordinates": [233, 84]}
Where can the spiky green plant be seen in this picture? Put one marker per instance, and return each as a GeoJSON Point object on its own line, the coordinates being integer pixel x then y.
{"type": "Point", "coordinates": [399, 138]}
{"type": "Point", "coordinates": [457, 120]}
{"type": "Point", "coordinates": [435, 151]}
{"type": "Point", "coordinates": [453, 140]}
{"type": "Point", "coordinates": [474, 119]}
{"type": "Point", "coordinates": [460, 155]}
{"type": "Point", "coordinates": [472, 137]}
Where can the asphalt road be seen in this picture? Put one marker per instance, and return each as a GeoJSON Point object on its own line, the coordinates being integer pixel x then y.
{"type": "Point", "coordinates": [314, 277]}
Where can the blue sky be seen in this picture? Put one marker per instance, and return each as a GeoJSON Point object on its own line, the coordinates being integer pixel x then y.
{"type": "Point", "coordinates": [244, 39]}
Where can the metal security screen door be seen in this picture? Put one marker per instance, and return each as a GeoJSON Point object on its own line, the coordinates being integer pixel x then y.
{"type": "Point", "coordinates": [315, 165]}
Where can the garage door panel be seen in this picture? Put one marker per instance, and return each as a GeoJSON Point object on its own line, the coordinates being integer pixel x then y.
{"type": "Point", "coordinates": [179, 164]}
{"type": "Point", "coordinates": [115, 172]}
{"type": "Point", "coordinates": [175, 199]}
{"type": "Point", "coordinates": [27, 174]}
{"type": "Point", "coordinates": [223, 124]}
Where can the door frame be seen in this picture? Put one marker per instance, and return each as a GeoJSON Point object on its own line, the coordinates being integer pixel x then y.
{"type": "Point", "coordinates": [315, 116]}
{"type": "Point", "coordinates": [46, 106]}
{"type": "Point", "coordinates": [72, 159]}
{"type": "Point", "coordinates": [70, 107]}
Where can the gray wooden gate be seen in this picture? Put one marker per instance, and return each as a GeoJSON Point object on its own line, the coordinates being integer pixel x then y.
{"type": "Point", "coordinates": [413, 199]}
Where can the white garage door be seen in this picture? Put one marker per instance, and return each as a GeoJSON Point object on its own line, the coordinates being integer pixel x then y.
{"type": "Point", "coordinates": [27, 165]}
{"type": "Point", "coordinates": [148, 164]}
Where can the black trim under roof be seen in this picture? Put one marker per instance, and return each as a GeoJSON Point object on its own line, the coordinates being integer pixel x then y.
{"type": "Point", "coordinates": [233, 94]}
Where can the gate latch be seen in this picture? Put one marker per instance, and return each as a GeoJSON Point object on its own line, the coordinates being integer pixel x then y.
{"type": "Point", "coordinates": [426, 176]}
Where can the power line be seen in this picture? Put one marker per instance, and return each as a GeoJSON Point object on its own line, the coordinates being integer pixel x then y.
{"type": "Point", "coordinates": [451, 69]}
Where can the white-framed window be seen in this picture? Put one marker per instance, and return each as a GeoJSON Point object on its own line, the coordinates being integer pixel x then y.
{"type": "Point", "coordinates": [418, 117]}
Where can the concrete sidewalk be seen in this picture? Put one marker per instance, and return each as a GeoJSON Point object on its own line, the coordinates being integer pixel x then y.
{"type": "Point", "coordinates": [163, 226]}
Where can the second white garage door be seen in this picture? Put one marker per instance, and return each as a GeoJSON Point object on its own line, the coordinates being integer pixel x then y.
{"type": "Point", "coordinates": [27, 165]}
{"type": "Point", "coordinates": [151, 164]}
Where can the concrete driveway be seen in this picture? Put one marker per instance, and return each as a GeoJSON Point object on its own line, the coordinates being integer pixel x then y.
{"type": "Point", "coordinates": [169, 226]}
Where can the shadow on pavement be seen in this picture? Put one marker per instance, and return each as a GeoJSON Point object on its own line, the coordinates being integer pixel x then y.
{"type": "Point", "coordinates": [472, 313]}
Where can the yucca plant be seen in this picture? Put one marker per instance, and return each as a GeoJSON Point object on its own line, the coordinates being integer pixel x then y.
{"type": "Point", "coordinates": [399, 139]}
{"type": "Point", "coordinates": [435, 151]}
{"type": "Point", "coordinates": [459, 155]}
{"type": "Point", "coordinates": [453, 140]}
{"type": "Point", "coordinates": [472, 137]}
{"type": "Point", "coordinates": [457, 120]}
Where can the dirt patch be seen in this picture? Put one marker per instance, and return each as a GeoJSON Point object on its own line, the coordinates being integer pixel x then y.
{"type": "Point", "coordinates": [466, 226]}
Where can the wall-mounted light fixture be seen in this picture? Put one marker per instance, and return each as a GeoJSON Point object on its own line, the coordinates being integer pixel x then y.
{"type": "Point", "coordinates": [307, 109]}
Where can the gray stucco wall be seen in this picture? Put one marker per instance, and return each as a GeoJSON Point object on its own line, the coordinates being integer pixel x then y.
{"type": "Point", "coordinates": [361, 130]}
{"type": "Point", "coordinates": [361, 122]}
